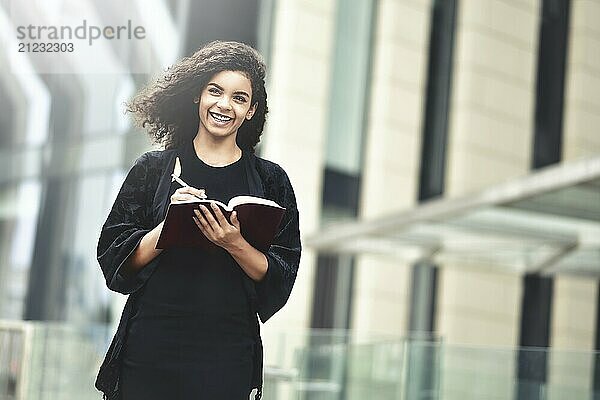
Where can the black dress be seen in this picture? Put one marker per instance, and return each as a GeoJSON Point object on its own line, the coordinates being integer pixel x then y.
{"type": "Point", "coordinates": [191, 336]}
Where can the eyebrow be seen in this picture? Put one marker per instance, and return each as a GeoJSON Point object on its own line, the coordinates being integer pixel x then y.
{"type": "Point", "coordinates": [236, 92]}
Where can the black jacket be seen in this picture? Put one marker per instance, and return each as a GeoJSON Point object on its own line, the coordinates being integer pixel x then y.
{"type": "Point", "coordinates": [141, 205]}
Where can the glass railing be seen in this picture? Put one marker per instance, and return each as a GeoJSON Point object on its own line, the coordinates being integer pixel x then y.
{"type": "Point", "coordinates": [57, 361]}
{"type": "Point", "coordinates": [332, 365]}
{"type": "Point", "coordinates": [42, 360]}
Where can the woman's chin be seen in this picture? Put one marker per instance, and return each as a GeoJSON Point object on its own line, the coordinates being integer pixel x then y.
{"type": "Point", "coordinates": [220, 133]}
{"type": "Point", "coordinates": [216, 131]}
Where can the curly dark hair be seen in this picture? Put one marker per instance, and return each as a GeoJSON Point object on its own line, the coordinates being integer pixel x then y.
{"type": "Point", "coordinates": [166, 108]}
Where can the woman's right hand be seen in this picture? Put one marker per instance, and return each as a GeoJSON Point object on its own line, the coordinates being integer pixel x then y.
{"type": "Point", "coordinates": [187, 193]}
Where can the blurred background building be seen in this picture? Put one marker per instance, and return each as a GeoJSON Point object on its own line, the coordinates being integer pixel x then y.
{"type": "Point", "coordinates": [446, 160]}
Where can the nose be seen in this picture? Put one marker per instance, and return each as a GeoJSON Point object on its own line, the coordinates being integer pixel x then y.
{"type": "Point", "coordinates": [224, 103]}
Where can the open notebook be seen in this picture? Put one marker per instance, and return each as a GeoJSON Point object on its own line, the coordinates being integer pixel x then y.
{"type": "Point", "coordinates": [259, 220]}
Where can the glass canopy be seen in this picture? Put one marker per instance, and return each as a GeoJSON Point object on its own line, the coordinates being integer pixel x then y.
{"type": "Point", "coordinates": [546, 222]}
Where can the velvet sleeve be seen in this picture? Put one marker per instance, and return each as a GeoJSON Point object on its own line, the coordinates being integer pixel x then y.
{"type": "Point", "coordinates": [283, 257]}
{"type": "Point", "coordinates": [127, 223]}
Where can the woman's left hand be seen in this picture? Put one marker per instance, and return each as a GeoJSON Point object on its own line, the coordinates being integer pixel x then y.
{"type": "Point", "coordinates": [219, 231]}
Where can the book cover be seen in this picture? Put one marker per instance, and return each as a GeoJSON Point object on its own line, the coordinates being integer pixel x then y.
{"type": "Point", "coordinates": [259, 221]}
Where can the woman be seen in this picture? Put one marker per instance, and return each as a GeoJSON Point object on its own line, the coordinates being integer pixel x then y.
{"type": "Point", "coordinates": [189, 329]}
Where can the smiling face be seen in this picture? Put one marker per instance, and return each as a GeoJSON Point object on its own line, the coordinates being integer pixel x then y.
{"type": "Point", "coordinates": [225, 103]}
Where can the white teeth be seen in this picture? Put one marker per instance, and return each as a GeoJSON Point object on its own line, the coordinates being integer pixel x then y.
{"type": "Point", "coordinates": [220, 118]}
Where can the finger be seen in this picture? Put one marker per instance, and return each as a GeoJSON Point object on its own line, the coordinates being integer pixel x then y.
{"type": "Point", "coordinates": [185, 196]}
{"type": "Point", "coordinates": [201, 222]}
{"type": "Point", "coordinates": [193, 191]}
{"type": "Point", "coordinates": [197, 222]}
{"type": "Point", "coordinates": [181, 197]}
{"type": "Point", "coordinates": [212, 222]}
{"type": "Point", "coordinates": [181, 190]}
{"type": "Point", "coordinates": [175, 198]}
{"type": "Point", "coordinates": [220, 217]}
{"type": "Point", "coordinates": [203, 227]}
{"type": "Point", "coordinates": [201, 193]}
{"type": "Point", "coordinates": [234, 220]}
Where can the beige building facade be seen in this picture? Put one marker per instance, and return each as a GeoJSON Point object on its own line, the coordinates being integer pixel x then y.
{"type": "Point", "coordinates": [490, 139]}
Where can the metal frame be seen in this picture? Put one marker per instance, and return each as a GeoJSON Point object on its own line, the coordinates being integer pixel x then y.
{"type": "Point", "coordinates": [25, 329]}
{"type": "Point", "coordinates": [376, 236]}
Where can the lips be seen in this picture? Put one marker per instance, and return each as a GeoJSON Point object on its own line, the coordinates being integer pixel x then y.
{"type": "Point", "coordinates": [220, 119]}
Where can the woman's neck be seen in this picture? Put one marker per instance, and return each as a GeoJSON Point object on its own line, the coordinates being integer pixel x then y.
{"type": "Point", "coordinates": [216, 153]}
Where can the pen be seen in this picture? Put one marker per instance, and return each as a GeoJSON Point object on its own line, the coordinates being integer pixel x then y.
{"type": "Point", "coordinates": [182, 183]}
{"type": "Point", "coordinates": [179, 180]}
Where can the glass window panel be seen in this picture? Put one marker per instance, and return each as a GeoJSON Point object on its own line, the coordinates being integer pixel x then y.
{"type": "Point", "coordinates": [349, 87]}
